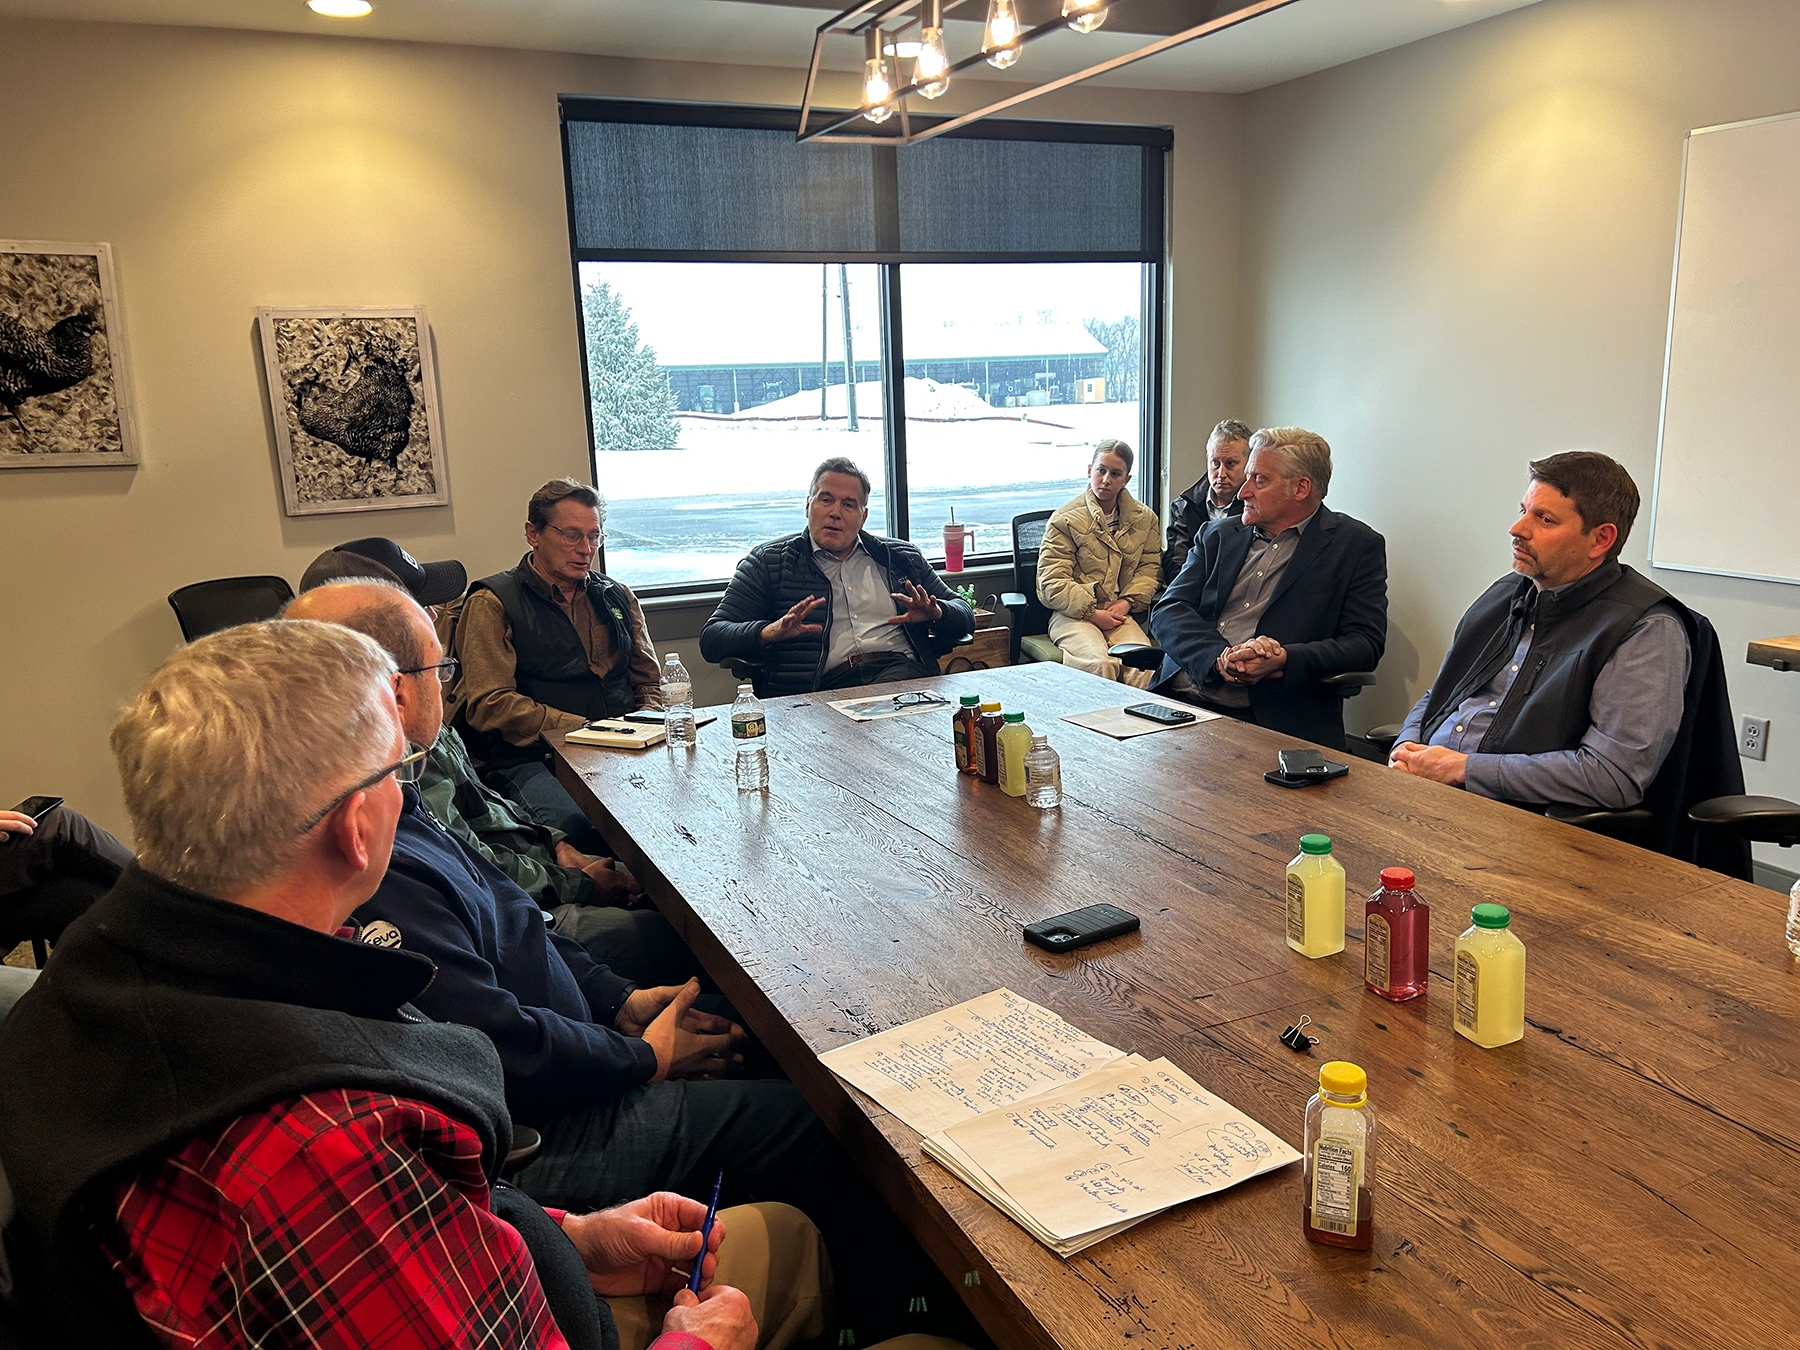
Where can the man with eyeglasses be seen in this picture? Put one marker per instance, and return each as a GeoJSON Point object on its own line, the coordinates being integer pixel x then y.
{"type": "Point", "coordinates": [581, 891]}
{"type": "Point", "coordinates": [238, 1130]}
{"type": "Point", "coordinates": [624, 1082]}
{"type": "Point", "coordinates": [546, 647]}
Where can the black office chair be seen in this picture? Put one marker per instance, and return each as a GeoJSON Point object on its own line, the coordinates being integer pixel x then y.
{"type": "Point", "coordinates": [527, 1143]}
{"type": "Point", "coordinates": [1030, 620]}
{"type": "Point", "coordinates": [208, 606]}
{"type": "Point", "coordinates": [1380, 740]}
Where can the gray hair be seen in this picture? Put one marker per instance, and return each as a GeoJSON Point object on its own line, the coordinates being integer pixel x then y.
{"type": "Point", "coordinates": [838, 464]}
{"type": "Point", "coordinates": [544, 500]}
{"type": "Point", "coordinates": [1109, 446]}
{"type": "Point", "coordinates": [1304, 454]}
{"type": "Point", "coordinates": [238, 737]}
{"type": "Point", "coordinates": [1229, 430]}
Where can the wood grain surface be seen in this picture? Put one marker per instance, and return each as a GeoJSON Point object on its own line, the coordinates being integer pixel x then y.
{"type": "Point", "coordinates": [1783, 653]}
{"type": "Point", "coordinates": [1624, 1176]}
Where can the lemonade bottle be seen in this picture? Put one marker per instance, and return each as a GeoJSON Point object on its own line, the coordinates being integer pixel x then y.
{"type": "Point", "coordinates": [1315, 899]}
{"type": "Point", "coordinates": [1339, 1184]}
{"type": "Point", "coordinates": [1490, 980]}
{"type": "Point", "coordinates": [1013, 742]}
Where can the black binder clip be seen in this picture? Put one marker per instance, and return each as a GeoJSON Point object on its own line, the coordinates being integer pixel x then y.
{"type": "Point", "coordinates": [1295, 1037]}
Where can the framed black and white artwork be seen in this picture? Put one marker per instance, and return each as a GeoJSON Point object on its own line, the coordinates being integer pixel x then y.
{"type": "Point", "coordinates": [353, 394]}
{"type": "Point", "coordinates": [65, 395]}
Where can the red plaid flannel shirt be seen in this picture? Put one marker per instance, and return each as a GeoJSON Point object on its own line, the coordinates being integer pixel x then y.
{"type": "Point", "coordinates": [337, 1219]}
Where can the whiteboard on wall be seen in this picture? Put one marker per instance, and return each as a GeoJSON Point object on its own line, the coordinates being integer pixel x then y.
{"type": "Point", "coordinates": [1727, 495]}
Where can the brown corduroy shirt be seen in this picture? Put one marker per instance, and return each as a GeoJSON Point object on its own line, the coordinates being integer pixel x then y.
{"type": "Point", "coordinates": [489, 691]}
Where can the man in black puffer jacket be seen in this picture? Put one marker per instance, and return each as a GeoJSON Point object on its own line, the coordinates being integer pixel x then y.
{"type": "Point", "coordinates": [834, 606]}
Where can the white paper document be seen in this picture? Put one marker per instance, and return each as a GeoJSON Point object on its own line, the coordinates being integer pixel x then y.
{"type": "Point", "coordinates": [1072, 1139]}
{"type": "Point", "coordinates": [952, 1066]}
{"type": "Point", "coordinates": [1077, 1164]}
{"type": "Point", "coordinates": [1122, 726]}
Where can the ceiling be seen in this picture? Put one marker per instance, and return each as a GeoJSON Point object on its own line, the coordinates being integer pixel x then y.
{"type": "Point", "coordinates": [1303, 37]}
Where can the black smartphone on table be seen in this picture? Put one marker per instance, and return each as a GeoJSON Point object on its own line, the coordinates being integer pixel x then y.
{"type": "Point", "coordinates": [38, 807]}
{"type": "Point", "coordinates": [1161, 712]}
{"type": "Point", "coordinates": [1079, 927]}
{"type": "Point", "coordinates": [1303, 768]}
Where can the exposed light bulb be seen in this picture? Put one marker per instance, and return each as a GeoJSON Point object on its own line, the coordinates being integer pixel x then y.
{"type": "Point", "coordinates": [1091, 14]}
{"type": "Point", "coordinates": [930, 72]}
{"type": "Point", "coordinates": [340, 9]}
{"type": "Point", "coordinates": [878, 83]}
{"type": "Point", "coordinates": [1001, 43]}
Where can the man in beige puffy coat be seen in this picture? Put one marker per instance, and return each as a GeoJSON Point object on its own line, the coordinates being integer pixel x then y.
{"type": "Point", "coordinates": [1098, 568]}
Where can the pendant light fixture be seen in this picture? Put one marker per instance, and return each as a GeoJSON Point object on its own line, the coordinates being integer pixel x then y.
{"type": "Point", "coordinates": [878, 81]}
{"type": "Point", "coordinates": [1000, 39]}
{"type": "Point", "coordinates": [895, 32]}
{"type": "Point", "coordinates": [931, 71]}
{"type": "Point", "coordinates": [1084, 15]}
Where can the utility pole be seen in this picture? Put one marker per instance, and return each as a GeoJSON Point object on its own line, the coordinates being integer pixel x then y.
{"type": "Point", "coordinates": [849, 351]}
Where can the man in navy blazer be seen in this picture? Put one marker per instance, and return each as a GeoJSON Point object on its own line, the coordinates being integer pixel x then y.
{"type": "Point", "coordinates": [1272, 602]}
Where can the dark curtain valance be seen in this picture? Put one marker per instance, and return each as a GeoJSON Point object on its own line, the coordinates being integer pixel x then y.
{"type": "Point", "coordinates": [661, 180]}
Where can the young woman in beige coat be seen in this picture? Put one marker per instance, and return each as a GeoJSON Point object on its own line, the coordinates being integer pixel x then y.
{"type": "Point", "coordinates": [1098, 568]}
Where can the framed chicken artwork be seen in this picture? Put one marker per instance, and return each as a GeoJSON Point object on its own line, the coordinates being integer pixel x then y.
{"type": "Point", "coordinates": [353, 395]}
{"type": "Point", "coordinates": [65, 397]}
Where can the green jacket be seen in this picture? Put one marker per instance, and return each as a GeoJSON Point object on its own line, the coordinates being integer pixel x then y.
{"type": "Point", "coordinates": [498, 829]}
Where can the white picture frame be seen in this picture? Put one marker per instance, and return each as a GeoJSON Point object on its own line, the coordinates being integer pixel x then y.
{"type": "Point", "coordinates": [64, 402]}
{"type": "Point", "coordinates": [353, 397]}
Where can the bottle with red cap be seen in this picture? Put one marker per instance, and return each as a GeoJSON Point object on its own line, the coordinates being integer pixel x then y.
{"type": "Point", "coordinates": [1396, 938]}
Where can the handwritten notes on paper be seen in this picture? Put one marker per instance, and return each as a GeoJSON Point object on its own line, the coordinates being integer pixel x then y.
{"type": "Point", "coordinates": [989, 1052]}
{"type": "Point", "coordinates": [1071, 1138]}
{"type": "Point", "coordinates": [1077, 1164]}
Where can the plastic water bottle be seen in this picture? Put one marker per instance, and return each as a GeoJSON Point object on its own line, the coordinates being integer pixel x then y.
{"type": "Point", "coordinates": [749, 730]}
{"type": "Point", "coordinates": [678, 701]}
{"type": "Point", "coordinates": [1793, 925]}
{"type": "Point", "coordinates": [1043, 774]}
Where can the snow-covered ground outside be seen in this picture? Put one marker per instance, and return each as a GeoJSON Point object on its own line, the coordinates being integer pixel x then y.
{"type": "Point", "coordinates": [736, 480]}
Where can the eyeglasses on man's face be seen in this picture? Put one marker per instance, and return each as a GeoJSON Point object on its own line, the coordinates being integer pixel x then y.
{"type": "Point", "coordinates": [446, 671]}
{"type": "Point", "coordinates": [405, 770]}
{"type": "Point", "coordinates": [570, 535]}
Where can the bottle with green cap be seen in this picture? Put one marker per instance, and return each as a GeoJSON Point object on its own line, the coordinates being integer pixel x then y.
{"type": "Point", "coordinates": [1490, 979]}
{"type": "Point", "coordinates": [1315, 899]}
{"type": "Point", "coordinates": [1340, 1159]}
{"type": "Point", "coordinates": [1014, 743]}
{"type": "Point", "coordinates": [962, 733]}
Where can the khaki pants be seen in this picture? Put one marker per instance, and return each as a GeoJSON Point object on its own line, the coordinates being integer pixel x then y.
{"type": "Point", "coordinates": [1084, 647]}
{"type": "Point", "coordinates": [773, 1254]}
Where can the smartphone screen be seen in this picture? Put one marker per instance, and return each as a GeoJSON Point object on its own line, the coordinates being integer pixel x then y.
{"type": "Point", "coordinates": [38, 807]}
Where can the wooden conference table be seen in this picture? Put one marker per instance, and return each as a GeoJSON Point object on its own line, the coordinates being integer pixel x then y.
{"type": "Point", "coordinates": [1627, 1175]}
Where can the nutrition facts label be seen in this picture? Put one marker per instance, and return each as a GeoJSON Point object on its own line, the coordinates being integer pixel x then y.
{"type": "Point", "coordinates": [1468, 989]}
{"type": "Point", "coordinates": [1334, 1185]}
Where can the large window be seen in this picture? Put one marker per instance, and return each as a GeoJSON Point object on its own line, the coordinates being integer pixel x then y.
{"type": "Point", "coordinates": [964, 319]}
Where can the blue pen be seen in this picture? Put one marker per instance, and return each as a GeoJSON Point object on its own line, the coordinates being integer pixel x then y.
{"type": "Point", "coordinates": [706, 1234]}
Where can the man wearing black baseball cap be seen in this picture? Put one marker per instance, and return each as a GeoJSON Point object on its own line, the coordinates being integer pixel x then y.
{"type": "Point", "coordinates": [433, 583]}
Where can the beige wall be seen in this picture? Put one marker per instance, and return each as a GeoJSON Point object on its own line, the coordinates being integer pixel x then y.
{"type": "Point", "coordinates": [231, 170]}
{"type": "Point", "coordinates": [1457, 257]}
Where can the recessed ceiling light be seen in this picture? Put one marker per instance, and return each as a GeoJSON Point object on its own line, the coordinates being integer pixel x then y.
{"type": "Point", "coordinates": [340, 9]}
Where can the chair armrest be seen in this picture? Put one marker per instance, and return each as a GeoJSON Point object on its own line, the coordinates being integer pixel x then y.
{"type": "Point", "coordinates": [1634, 825]}
{"type": "Point", "coordinates": [1013, 600]}
{"type": "Point", "coordinates": [1770, 820]}
{"type": "Point", "coordinates": [1349, 683]}
{"type": "Point", "coordinates": [1136, 655]}
{"type": "Point", "coordinates": [1383, 737]}
{"type": "Point", "coordinates": [526, 1144]}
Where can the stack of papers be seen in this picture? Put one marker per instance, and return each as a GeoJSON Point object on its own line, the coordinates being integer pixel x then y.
{"type": "Point", "coordinates": [1072, 1139]}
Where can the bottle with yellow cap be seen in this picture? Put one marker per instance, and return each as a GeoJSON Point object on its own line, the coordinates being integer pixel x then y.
{"type": "Point", "coordinates": [1489, 1007]}
{"type": "Point", "coordinates": [1340, 1159]}
{"type": "Point", "coordinates": [1315, 899]}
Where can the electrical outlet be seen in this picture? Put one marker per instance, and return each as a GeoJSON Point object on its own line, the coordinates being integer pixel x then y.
{"type": "Point", "coordinates": [1753, 737]}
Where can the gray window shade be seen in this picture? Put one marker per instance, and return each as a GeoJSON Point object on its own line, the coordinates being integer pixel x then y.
{"type": "Point", "coordinates": [1032, 197]}
{"type": "Point", "coordinates": [682, 181]}
{"type": "Point", "coordinates": [718, 189]}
